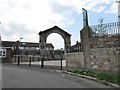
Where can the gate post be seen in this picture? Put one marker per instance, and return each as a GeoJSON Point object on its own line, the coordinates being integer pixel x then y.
{"type": "Point", "coordinates": [30, 61]}
{"type": "Point", "coordinates": [61, 55]}
{"type": "Point", "coordinates": [42, 63]}
{"type": "Point", "coordinates": [85, 38]}
{"type": "Point", "coordinates": [61, 63]}
{"type": "Point", "coordinates": [15, 58]}
{"type": "Point", "coordinates": [18, 60]}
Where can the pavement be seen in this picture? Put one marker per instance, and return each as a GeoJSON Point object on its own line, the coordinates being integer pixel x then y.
{"type": "Point", "coordinates": [28, 77]}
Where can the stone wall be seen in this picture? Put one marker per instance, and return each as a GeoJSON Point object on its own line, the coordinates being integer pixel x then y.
{"type": "Point", "coordinates": [74, 59]}
{"type": "Point", "coordinates": [104, 53]}
{"type": "Point", "coordinates": [100, 52]}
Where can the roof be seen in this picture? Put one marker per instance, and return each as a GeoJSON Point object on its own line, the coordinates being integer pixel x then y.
{"type": "Point", "coordinates": [11, 43]}
{"type": "Point", "coordinates": [30, 44]}
{"type": "Point", "coordinates": [49, 45]}
{"type": "Point", "coordinates": [77, 44]}
{"type": "Point", "coordinates": [26, 44]}
{"type": "Point", "coordinates": [8, 43]}
{"type": "Point", "coordinates": [55, 27]}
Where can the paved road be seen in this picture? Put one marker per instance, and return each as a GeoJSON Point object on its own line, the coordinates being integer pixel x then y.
{"type": "Point", "coordinates": [29, 77]}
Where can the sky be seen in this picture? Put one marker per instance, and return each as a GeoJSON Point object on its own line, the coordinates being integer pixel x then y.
{"type": "Point", "coordinates": [26, 18]}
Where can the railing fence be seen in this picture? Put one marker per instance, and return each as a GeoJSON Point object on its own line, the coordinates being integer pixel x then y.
{"type": "Point", "coordinates": [105, 29]}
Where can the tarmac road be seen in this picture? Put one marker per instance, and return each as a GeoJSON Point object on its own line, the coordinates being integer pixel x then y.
{"type": "Point", "coordinates": [29, 77]}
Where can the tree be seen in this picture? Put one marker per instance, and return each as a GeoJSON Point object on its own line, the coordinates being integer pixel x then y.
{"type": "Point", "coordinates": [101, 30]}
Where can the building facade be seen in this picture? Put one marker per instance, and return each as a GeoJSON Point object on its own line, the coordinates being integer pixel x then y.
{"type": "Point", "coordinates": [11, 48]}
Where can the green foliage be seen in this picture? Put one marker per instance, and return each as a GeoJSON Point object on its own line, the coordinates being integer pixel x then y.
{"type": "Point", "coordinates": [113, 78]}
{"type": "Point", "coordinates": [109, 77]}
{"type": "Point", "coordinates": [101, 28]}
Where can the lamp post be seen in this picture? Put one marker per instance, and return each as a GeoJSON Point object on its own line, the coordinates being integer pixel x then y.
{"type": "Point", "coordinates": [17, 52]}
{"type": "Point", "coordinates": [21, 46]}
{"type": "Point", "coordinates": [20, 41]}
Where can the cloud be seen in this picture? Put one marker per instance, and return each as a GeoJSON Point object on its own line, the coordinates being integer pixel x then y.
{"type": "Point", "coordinates": [56, 40]}
{"type": "Point", "coordinates": [25, 18]}
{"type": "Point", "coordinates": [34, 14]}
{"type": "Point", "coordinates": [113, 9]}
{"type": "Point", "coordinates": [99, 9]}
{"type": "Point", "coordinates": [87, 4]}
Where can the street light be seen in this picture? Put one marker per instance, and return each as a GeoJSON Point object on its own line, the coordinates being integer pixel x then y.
{"type": "Point", "coordinates": [21, 47]}
{"type": "Point", "coordinates": [20, 41]}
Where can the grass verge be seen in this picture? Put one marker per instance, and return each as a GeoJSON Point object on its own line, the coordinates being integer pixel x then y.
{"type": "Point", "coordinates": [109, 77]}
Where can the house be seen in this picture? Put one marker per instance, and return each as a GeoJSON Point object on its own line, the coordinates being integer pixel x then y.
{"type": "Point", "coordinates": [48, 52]}
{"type": "Point", "coordinates": [10, 48]}
{"type": "Point", "coordinates": [78, 47]}
{"type": "Point", "coordinates": [6, 51]}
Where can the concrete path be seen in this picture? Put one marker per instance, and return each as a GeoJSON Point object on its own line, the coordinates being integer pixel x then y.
{"type": "Point", "coordinates": [29, 77]}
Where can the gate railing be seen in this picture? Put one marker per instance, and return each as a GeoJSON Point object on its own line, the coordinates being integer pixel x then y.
{"type": "Point", "coordinates": [76, 48]}
{"type": "Point", "coordinates": [105, 29]}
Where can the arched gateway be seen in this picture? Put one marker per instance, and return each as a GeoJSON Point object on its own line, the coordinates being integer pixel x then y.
{"type": "Point", "coordinates": [44, 34]}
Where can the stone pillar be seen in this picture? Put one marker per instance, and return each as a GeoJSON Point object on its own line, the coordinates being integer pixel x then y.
{"type": "Point", "coordinates": [42, 41]}
{"type": "Point", "coordinates": [67, 44]}
{"type": "Point", "coordinates": [42, 44]}
{"type": "Point", "coordinates": [85, 39]}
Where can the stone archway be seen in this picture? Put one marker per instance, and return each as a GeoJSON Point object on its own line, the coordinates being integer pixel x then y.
{"type": "Point", "coordinates": [44, 34]}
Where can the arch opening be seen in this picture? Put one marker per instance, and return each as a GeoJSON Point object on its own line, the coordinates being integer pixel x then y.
{"type": "Point", "coordinates": [56, 39]}
{"type": "Point", "coordinates": [44, 34]}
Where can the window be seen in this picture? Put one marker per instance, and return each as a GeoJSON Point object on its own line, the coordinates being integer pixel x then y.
{"type": "Point", "coordinates": [2, 52]}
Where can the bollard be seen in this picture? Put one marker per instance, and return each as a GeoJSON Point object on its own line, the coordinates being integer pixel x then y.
{"type": "Point", "coordinates": [33, 59]}
{"type": "Point", "coordinates": [15, 58]}
{"type": "Point", "coordinates": [21, 57]}
{"type": "Point", "coordinates": [42, 63]}
{"type": "Point", "coordinates": [18, 60]}
{"type": "Point", "coordinates": [30, 62]}
{"type": "Point", "coordinates": [61, 63]}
